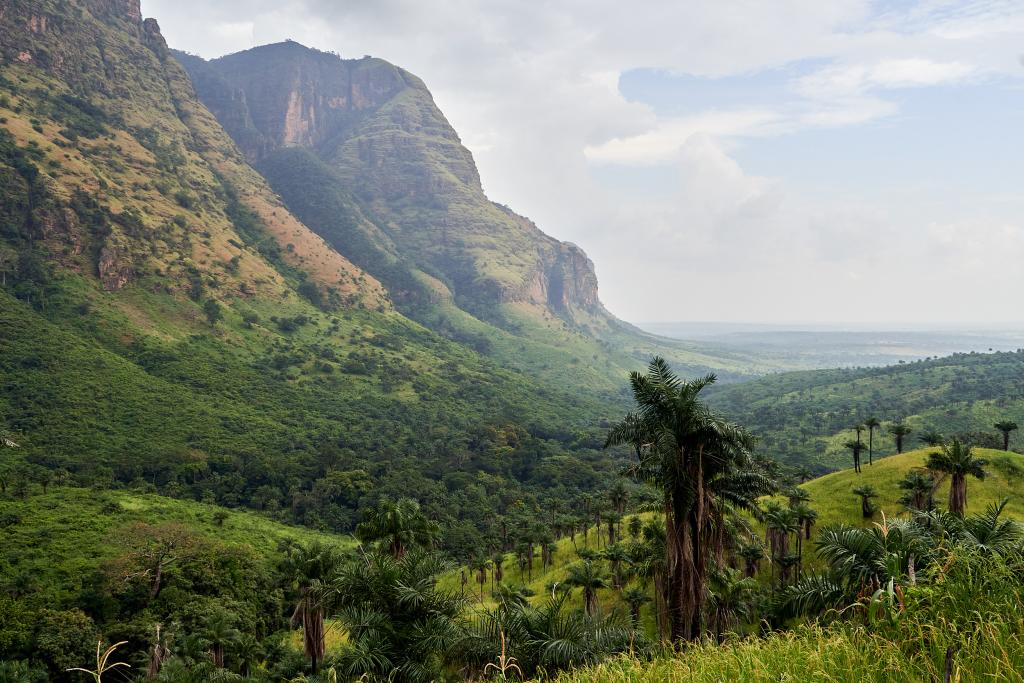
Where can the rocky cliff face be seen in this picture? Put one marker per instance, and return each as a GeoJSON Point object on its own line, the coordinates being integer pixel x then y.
{"type": "Point", "coordinates": [122, 138]}
{"type": "Point", "coordinates": [393, 152]}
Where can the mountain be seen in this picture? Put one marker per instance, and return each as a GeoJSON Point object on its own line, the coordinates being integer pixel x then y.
{"type": "Point", "coordinates": [360, 152]}
{"type": "Point", "coordinates": [413, 189]}
{"type": "Point", "coordinates": [166, 320]}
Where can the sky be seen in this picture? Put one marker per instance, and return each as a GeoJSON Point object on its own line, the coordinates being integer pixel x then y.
{"type": "Point", "coordinates": [787, 161]}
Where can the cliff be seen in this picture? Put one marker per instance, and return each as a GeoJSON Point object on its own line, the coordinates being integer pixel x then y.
{"type": "Point", "coordinates": [390, 151]}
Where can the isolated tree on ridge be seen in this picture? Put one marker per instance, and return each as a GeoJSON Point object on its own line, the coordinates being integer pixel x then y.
{"type": "Point", "coordinates": [872, 423]}
{"type": "Point", "coordinates": [899, 431]}
{"type": "Point", "coordinates": [1006, 426]}
{"type": "Point", "coordinates": [958, 461]}
{"type": "Point", "coordinates": [866, 493]}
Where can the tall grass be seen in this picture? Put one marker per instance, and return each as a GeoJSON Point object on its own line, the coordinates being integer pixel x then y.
{"type": "Point", "coordinates": [970, 608]}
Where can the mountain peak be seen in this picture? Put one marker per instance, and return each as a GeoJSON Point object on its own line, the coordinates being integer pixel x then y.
{"type": "Point", "coordinates": [376, 131]}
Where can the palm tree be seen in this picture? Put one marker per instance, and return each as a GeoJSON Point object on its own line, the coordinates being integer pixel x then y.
{"type": "Point", "coordinates": [636, 597]}
{"type": "Point", "coordinates": [589, 576]}
{"type": "Point", "coordinates": [221, 634]}
{"type": "Point", "coordinates": [930, 437]}
{"type": "Point", "coordinates": [647, 557]}
{"type": "Point", "coordinates": [920, 491]}
{"type": "Point", "coordinates": [899, 431]}
{"type": "Point", "coordinates": [797, 495]}
{"type": "Point", "coordinates": [957, 460]}
{"type": "Point", "coordinates": [480, 565]}
{"type": "Point", "coordinates": [618, 495]}
{"type": "Point", "coordinates": [399, 624]}
{"type": "Point", "coordinates": [856, 447]}
{"type": "Point", "coordinates": [400, 525]}
{"type": "Point", "coordinates": [497, 573]}
{"type": "Point", "coordinates": [866, 493]}
{"type": "Point", "coordinates": [730, 599]}
{"type": "Point", "coordinates": [684, 448]}
{"type": "Point", "coordinates": [857, 559]}
{"type": "Point", "coordinates": [752, 554]}
{"type": "Point", "coordinates": [803, 474]}
{"type": "Point", "coordinates": [806, 516]}
{"type": "Point", "coordinates": [636, 525]}
{"type": "Point", "coordinates": [779, 523]}
{"type": "Point", "coordinates": [1006, 426]}
{"type": "Point", "coordinates": [872, 423]}
{"type": "Point", "coordinates": [542, 639]}
{"type": "Point", "coordinates": [989, 533]}
{"type": "Point", "coordinates": [308, 568]}
{"type": "Point", "coordinates": [616, 556]}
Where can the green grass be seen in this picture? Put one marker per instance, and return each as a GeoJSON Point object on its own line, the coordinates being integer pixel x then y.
{"type": "Point", "coordinates": [832, 495]}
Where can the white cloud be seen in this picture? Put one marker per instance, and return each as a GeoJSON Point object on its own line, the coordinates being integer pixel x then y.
{"type": "Point", "coordinates": [532, 90]}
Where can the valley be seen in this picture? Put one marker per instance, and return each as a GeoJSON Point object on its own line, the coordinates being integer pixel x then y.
{"type": "Point", "coordinates": [285, 396]}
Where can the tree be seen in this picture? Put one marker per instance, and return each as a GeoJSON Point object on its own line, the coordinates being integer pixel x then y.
{"type": "Point", "coordinates": [589, 576]}
{"type": "Point", "coordinates": [220, 632]}
{"type": "Point", "coordinates": [730, 599]}
{"type": "Point", "coordinates": [542, 638]}
{"type": "Point", "coordinates": [616, 556]}
{"type": "Point", "coordinates": [152, 551]}
{"type": "Point", "coordinates": [899, 431]}
{"type": "Point", "coordinates": [752, 554]}
{"type": "Point", "coordinates": [806, 516]}
{"type": "Point", "coordinates": [1005, 427]}
{"type": "Point", "coordinates": [872, 423]}
{"type": "Point", "coordinates": [866, 493]}
{"type": "Point", "coordinates": [647, 557]}
{"type": "Point", "coordinates": [803, 474]}
{"type": "Point", "coordinates": [309, 568]}
{"type": "Point", "coordinates": [858, 560]}
{"type": "Point", "coordinates": [399, 525]}
{"type": "Point", "coordinates": [779, 523]}
{"type": "Point", "coordinates": [958, 461]}
{"type": "Point", "coordinates": [479, 565]}
{"type": "Point", "coordinates": [856, 448]}
{"type": "Point", "coordinates": [920, 491]}
{"type": "Point", "coordinates": [213, 310]}
{"type": "Point", "coordinates": [636, 597]}
{"type": "Point", "coordinates": [930, 437]}
{"type": "Point", "coordinates": [400, 625]}
{"type": "Point", "coordinates": [688, 451]}
{"type": "Point", "coordinates": [497, 571]}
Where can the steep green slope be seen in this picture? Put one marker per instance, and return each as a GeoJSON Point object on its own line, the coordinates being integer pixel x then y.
{"type": "Point", "coordinates": [803, 418]}
{"type": "Point", "coordinates": [163, 317]}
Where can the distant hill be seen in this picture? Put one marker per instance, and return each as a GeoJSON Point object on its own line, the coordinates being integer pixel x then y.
{"type": "Point", "coordinates": [804, 418]}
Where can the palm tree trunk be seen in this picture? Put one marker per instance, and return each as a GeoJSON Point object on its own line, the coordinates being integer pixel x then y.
{"type": "Point", "coordinates": [958, 494]}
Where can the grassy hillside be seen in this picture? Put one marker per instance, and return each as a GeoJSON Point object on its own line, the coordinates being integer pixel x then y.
{"type": "Point", "coordinates": [803, 418]}
{"type": "Point", "coordinates": [832, 497]}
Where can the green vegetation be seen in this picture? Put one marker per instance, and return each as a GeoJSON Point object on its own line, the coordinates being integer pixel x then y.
{"type": "Point", "coordinates": [379, 445]}
{"type": "Point", "coordinates": [808, 418]}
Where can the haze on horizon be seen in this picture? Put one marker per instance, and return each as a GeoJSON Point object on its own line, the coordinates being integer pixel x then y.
{"type": "Point", "coordinates": [849, 161]}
